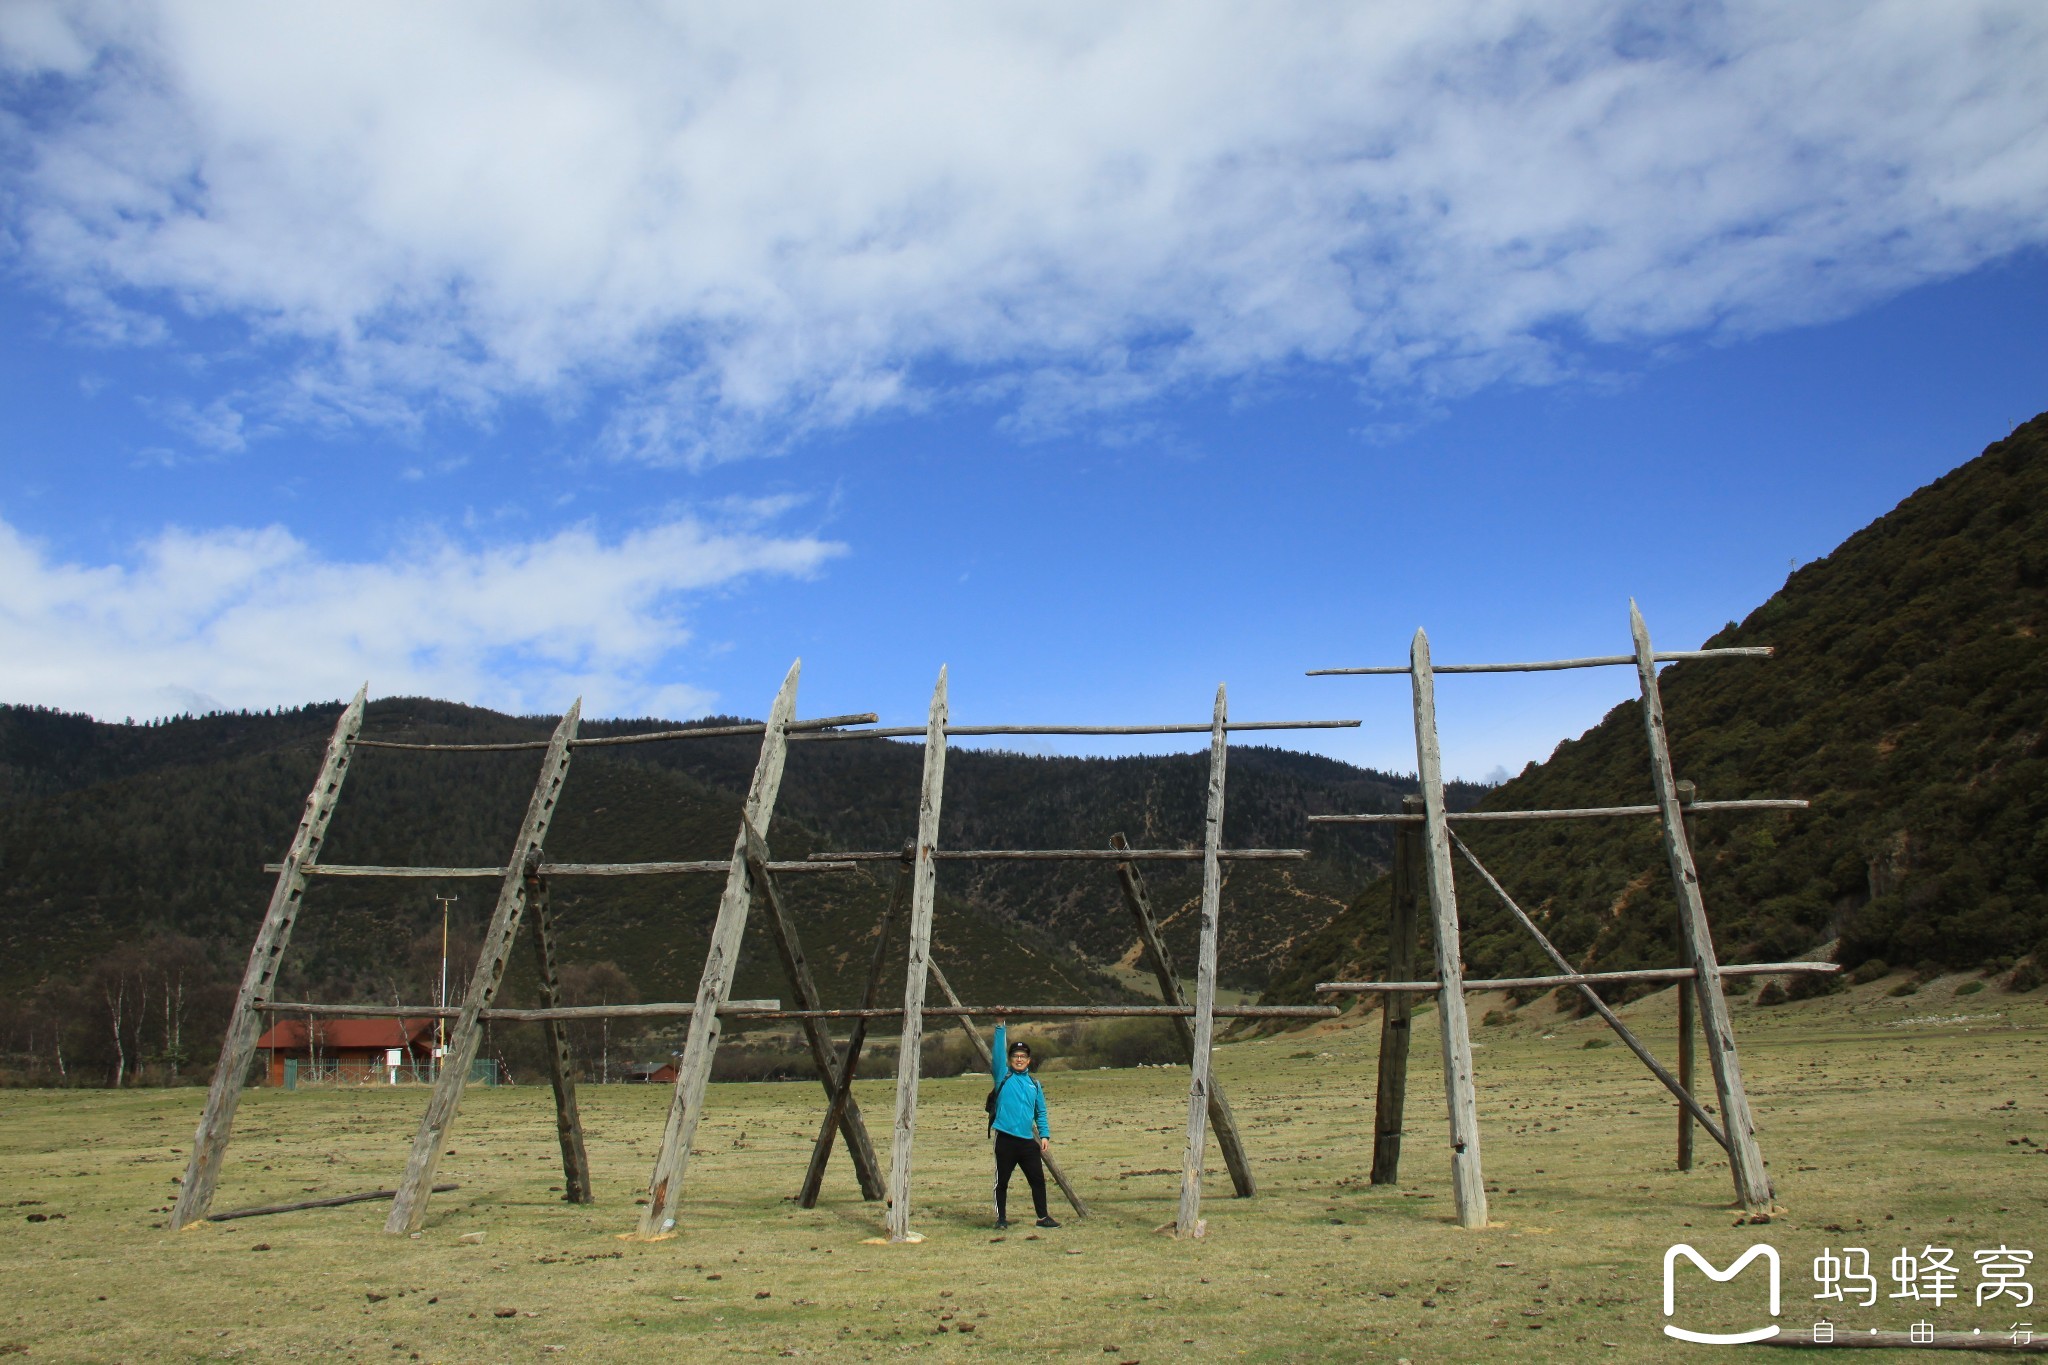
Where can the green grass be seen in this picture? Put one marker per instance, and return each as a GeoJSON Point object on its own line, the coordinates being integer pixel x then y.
{"type": "Point", "coordinates": [1887, 1122]}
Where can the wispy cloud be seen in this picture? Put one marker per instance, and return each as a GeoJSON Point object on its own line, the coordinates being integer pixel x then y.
{"type": "Point", "coordinates": [255, 617]}
{"type": "Point", "coordinates": [754, 219]}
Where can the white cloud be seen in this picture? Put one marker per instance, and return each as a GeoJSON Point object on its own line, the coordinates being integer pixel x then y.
{"type": "Point", "coordinates": [253, 618]}
{"type": "Point", "coordinates": [757, 217]}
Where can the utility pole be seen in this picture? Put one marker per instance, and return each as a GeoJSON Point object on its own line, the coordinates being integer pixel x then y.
{"type": "Point", "coordinates": [441, 1024]}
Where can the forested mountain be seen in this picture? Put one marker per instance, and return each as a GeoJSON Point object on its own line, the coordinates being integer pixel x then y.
{"type": "Point", "coordinates": [131, 862]}
{"type": "Point", "coordinates": [1907, 701]}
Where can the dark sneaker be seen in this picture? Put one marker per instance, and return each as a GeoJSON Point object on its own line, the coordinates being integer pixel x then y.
{"type": "Point", "coordinates": [1002, 1224]}
{"type": "Point", "coordinates": [1048, 1222]}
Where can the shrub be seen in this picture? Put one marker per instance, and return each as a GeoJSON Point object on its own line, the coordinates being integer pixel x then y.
{"type": "Point", "coordinates": [1905, 988]}
{"type": "Point", "coordinates": [1771, 994]}
{"type": "Point", "coordinates": [1969, 988]}
{"type": "Point", "coordinates": [2025, 977]}
{"type": "Point", "coordinates": [1806, 986]}
{"type": "Point", "coordinates": [1495, 1018]}
{"type": "Point", "coordinates": [1870, 971]}
{"type": "Point", "coordinates": [1598, 1042]}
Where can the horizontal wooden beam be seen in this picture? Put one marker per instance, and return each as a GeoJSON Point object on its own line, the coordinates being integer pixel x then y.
{"type": "Point", "coordinates": [1552, 665]}
{"type": "Point", "coordinates": [561, 1013]}
{"type": "Point", "coordinates": [830, 864]}
{"type": "Point", "coordinates": [1478, 817]}
{"type": "Point", "coordinates": [646, 737]}
{"type": "Point", "coordinates": [1078, 855]}
{"type": "Point", "coordinates": [1516, 983]}
{"type": "Point", "coordinates": [961, 731]}
{"type": "Point", "coordinates": [331, 1202]}
{"type": "Point", "coordinates": [1065, 1012]}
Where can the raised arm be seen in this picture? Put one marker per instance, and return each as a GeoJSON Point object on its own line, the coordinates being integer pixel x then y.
{"type": "Point", "coordinates": [999, 1056]}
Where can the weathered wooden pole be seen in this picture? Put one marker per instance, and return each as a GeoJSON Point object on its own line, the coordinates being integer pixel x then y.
{"type": "Point", "coordinates": [988, 1062]}
{"type": "Point", "coordinates": [245, 1025]}
{"type": "Point", "coordinates": [1468, 1183]}
{"type": "Point", "coordinates": [1188, 1222]}
{"type": "Point", "coordinates": [1745, 1159]}
{"type": "Point", "coordinates": [409, 1209]}
{"type": "Point", "coordinates": [576, 1187]}
{"type": "Point", "coordinates": [849, 1070]}
{"type": "Point", "coordinates": [714, 987]}
{"type": "Point", "coordinates": [1685, 1073]}
{"type": "Point", "coordinates": [1139, 903]}
{"type": "Point", "coordinates": [796, 968]}
{"type": "Point", "coordinates": [1404, 940]}
{"type": "Point", "coordinates": [924, 890]}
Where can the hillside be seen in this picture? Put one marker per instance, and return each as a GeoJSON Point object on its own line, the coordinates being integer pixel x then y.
{"type": "Point", "coordinates": [1906, 701]}
{"type": "Point", "coordinates": [131, 862]}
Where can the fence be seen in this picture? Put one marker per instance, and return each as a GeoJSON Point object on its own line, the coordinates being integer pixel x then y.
{"type": "Point", "coordinates": [335, 1072]}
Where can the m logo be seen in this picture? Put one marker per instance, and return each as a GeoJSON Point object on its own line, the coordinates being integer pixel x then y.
{"type": "Point", "coordinates": [1769, 1253]}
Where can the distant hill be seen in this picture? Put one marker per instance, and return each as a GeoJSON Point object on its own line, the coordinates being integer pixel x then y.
{"type": "Point", "coordinates": [1908, 700]}
{"type": "Point", "coordinates": [127, 845]}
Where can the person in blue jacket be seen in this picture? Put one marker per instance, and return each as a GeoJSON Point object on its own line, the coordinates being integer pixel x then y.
{"type": "Point", "coordinates": [1023, 1129]}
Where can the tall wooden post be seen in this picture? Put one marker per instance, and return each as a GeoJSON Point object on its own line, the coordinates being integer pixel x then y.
{"type": "Point", "coordinates": [1468, 1183]}
{"type": "Point", "coordinates": [924, 890]}
{"type": "Point", "coordinates": [1685, 1073]}
{"type": "Point", "coordinates": [1188, 1222]}
{"type": "Point", "coordinates": [849, 1069]}
{"type": "Point", "coordinates": [988, 1063]}
{"type": "Point", "coordinates": [576, 1188]}
{"type": "Point", "coordinates": [1139, 903]}
{"type": "Point", "coordinates": [245, 1025]}
{"type": "Point", "coordinates": [796, 969]}
{"type": "Point", "coordinates": [1390, 1101]}
{"type": "Point", "coordinates": [409, 1209]}
{"type": "Point", "coordinates": [714, 987]}
{"type": "Point", "coordinates": [1745, 1160]}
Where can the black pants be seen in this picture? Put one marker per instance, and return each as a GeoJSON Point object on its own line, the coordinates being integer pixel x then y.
{"type": "Point", "coordinates": [1012, 1152]}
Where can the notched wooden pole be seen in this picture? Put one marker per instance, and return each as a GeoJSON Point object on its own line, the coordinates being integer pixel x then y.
{"type": "Point", "coordinates": [924, 890]}
{"type": "Point", "coordinates": [245, 1025]}
{"type": "Point", "coordinates": [409, 1209]}
{"type": "Point", "coordinates": [1745, 1159]}
{"type": "Point", "coordinates": [1390, 1100]}
{"type": "Point", "coordinates": [1468, 1184]}
{"type": "Point", "coordinates": [1139, 903]}
{"type": "Point", "coordinates": [796, 969]}
{"type": "Point", "coordinates": [714, 987]}
{"type": "Point", "coordinates": [576, 1188]}
{"type": "Point", "coordinates": [1188, 1221]}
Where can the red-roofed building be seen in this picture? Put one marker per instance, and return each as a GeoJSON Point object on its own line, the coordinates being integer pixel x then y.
{"type": "Point", "coordinates": [355, 1044]}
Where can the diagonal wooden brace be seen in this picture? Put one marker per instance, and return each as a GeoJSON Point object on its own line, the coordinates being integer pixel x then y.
{"type": "Point", "coordinates": [797, 969]}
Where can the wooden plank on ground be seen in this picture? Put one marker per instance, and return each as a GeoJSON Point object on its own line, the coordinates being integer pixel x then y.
{"type": "Point", "coordinates": [1139, 903]}
{"type": "Point", "coordinates": [924, 889]}
{"type": "Point", "coordinates": [1188, 1222]}
{"type": "Point", "coordinates": [1468, 1183]}
{"type": "Point", "coordinates": [1745, 1158]}
{"type": "Point", "coordinates": [245, 1024]}
{"type": "Point", "coordinates": [714, 986]}
{"type": "Point", "coordinates": [416, 1188]}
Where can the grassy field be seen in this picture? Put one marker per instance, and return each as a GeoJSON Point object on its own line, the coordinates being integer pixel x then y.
{"type": "Point", "coordinates": [1888, 1122]}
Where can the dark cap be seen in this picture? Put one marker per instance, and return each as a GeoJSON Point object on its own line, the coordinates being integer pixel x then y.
{"type": "Point", "coordinates": [1020, 1046]}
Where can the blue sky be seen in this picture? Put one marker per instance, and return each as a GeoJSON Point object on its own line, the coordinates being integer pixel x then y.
{"type": "Point", "coordinates": [502, 356]}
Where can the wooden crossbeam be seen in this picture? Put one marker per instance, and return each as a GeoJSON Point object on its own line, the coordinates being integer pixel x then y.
{"type": "Point", "coordinates": [1527, 983]}
{"type": "Point", "coordinates": [849, 1069]}
{"type": "Point", "coordinates": [796, 969]}
{"type": "Point", "coordinates": [1082, 855]}
{"type": "Point", "coordinates": [923, 893]}
{"type": "Point", "coordinates": [576, 1187]}
{"type": "Point", "coordinates": [409, 1208]}
{"type": "Point", "coordinates": [700, 1044]}
{"type": "Point", "coordinates": [558, 869]}
{"type": "Point", "coordinates": [1745, 1158]}
{"type": "Point", "coordinates": [1480, 817]}
{"type": "Point", "coordinates": [1188, 1220]}
{"type": "Point", "coordinates": [1139, 903]}
{"type": "Point", "coordinates": [968, 731]}
{"type": "Point", "coordinates": [644, 737]}
{"type": "Point", "coordinates": [1468, 1183]}
{"type": "Point", "coordinates": [1552, 665]}
{"type": "Point", "coordinates": [245, 1024]}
